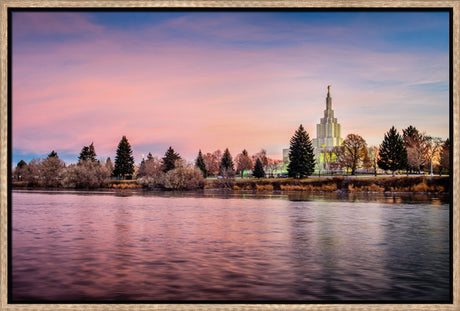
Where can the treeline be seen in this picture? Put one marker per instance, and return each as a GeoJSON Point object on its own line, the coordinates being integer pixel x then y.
{"type": "Point", "coordinates": [169, 172]}
{"type": "Point", "coordinates": [53, 172]}
{"type": "Point", "coordinates": [413, 151]}
{"type": "Point", "coordinates": [172, 172]}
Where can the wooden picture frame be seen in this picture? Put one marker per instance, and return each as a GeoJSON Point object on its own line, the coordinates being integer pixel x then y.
{"type": "Point", "coordinates": [454, 5]}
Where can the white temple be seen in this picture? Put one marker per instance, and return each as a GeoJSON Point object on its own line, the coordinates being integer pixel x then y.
{"type": "Point", "coordinates": [327, 134]}
{"type": "Point", "coordinates": [327, 137]}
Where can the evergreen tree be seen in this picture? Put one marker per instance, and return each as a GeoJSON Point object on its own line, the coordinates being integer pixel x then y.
{"type": "Point", "coordinates": [411, 134]}
{"type": "Point", "coordinates": [124, 160]}
{"type": "Point", "coordinates": [92, 152]}
{"type": "Point", "coordinates": [259, 169]}
{"type": "Point", "coordinates": [53, 154]}
{"type": "Point", "coordinates": [20, 170]}
{"type": "Point", "coordinates": [301, 156]}
{"type": "Point", "coordinates": [149, 156]}
{"type": "Point", "coordinates": [21, 164]}
{"type": "Point", "coordinates": [200, 164]}
{"type": "Point", "coordinates": [83, 153]}
{"type": "Point", "coordinates": [170, 159]}
{"type": "Point", "coordinates": [444, 161]}
{"type": "Point", "coordinates": [393, 153]}
{"type": "Point", "coordinates": [226, 164]}
{"type": "Point", "coordinates": [87, 154]}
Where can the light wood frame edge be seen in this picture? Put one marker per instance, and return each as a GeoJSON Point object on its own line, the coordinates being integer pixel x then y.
{"type": "Point", "coordinates": [5, 4]}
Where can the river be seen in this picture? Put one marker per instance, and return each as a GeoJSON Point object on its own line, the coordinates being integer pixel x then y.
{"type": "Point", "coordinates": [70, 246]}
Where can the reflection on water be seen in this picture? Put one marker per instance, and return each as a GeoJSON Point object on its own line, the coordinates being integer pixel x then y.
{"type": "Point", "coordinates": [92, 247]}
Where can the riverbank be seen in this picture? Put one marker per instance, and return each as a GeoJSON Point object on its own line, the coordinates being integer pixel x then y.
{"type": "Point", "coordinates": [435, 184]}
{"type": "Point", "coordinates": [415, 184]}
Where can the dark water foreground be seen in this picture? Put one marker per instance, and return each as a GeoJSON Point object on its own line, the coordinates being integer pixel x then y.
{"type": "Point", "coordinates": [122, 247]}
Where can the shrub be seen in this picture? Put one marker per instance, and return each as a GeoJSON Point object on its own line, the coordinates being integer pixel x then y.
{"type": "Point", "coordinates": [296, 187]}
{"type": "Point", "coordinates": [184, 178]}
{"type": "Point", "coordinates": [375, 188]}
{"type": "Point", "coordinates": [152, 167]}
{"type": "Point", "coordinates": [152, 182]}
{"type": "Point", "coordinates": [421, 187]}
{"type": "Point", "coordinates": [264, 187]}
{"type": "Point", "coordinates": [86, 174]}
{"type": "Point", "coordinates": [224, 183]}
{"type": "Point", "coordinates": [353, 188]}
{"type": "Point", "coordinates": [329, 187]}
{"type": "Point", "coordinates": [226, 180]}
{"type": "Point", "coordinates": [32, 174]}
{"type": "Point", "coordinates": [440, 189]}
{"type": "Point", "coordinates": [123, 186]}
{"type": "Point", "coordinates": [52, 170]}
{"type": "Point", "coordinates": [243, 187]}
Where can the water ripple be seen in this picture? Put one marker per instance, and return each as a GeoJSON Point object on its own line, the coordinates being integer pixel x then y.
{"type": "Point", "coordinates": [74, 247]}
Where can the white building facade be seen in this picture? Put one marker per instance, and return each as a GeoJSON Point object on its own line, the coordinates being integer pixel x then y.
{"type": "Point", "coordinates": [328, 136]}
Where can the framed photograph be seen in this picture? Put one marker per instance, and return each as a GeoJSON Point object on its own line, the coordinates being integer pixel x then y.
{"type": "Point", "coordinates": [229, 155]}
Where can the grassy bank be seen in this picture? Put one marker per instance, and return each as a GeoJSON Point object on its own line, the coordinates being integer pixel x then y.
{"type": "Point", "coordinates": [346, 184]}
{"type": "Point", "coordinates": [112, 184]}
{"type": "Point", "coordinates": [123, 184]}
{"type": "Point", "coordinates": [417, 184]}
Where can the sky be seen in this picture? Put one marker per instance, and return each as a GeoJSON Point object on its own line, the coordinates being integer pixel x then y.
{"type": "Point", "coordinates": [215, 80]}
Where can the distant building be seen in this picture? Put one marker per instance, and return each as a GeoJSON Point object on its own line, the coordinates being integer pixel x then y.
{"type": "Point", "coordinates": [327, 135]}
{"type": "Point", "coordinates": [286, 155]}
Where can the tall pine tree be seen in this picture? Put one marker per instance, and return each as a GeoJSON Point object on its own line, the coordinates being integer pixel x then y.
{"type": "Point", "coordinates": [124, 160]}
{"type": "Point", "coordinates": [87, 153]}
{"type": "Point", "coordinates": [170, 159]}
{"type": "Point", "coordinates": [226, 164]}
{"type": "Point", "coordinates": [200, 164]}
{"type": "Point", "coordinates": [393, 153]}
{"type": "Point", "coordinates": [259, 169]}
{"type": "Point", "coordinates": [301, 156]}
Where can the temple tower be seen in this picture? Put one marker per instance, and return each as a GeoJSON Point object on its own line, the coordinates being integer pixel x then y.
{"type": "Point", "coordinates": [327, 134]}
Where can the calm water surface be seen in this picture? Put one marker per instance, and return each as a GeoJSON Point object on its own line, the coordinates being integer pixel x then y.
{"type": "Point", "coordinates": [81, 246]}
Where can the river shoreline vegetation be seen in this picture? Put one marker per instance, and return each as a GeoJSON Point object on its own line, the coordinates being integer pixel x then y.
{"type": "Point", "coordinates": [340, 184]}
{"type": "Point", "coordinates": [400, 164]}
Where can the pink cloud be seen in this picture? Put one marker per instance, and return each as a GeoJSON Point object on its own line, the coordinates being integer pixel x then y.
{"type": "Point", "coordinates": [205, 97]}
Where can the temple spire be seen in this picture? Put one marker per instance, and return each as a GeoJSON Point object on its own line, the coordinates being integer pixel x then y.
{"type": "Point", "coordinates": [328, 102]}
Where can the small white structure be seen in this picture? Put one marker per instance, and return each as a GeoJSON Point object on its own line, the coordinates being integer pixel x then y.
{"type": "Point", "coordinates": [286, 155]}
